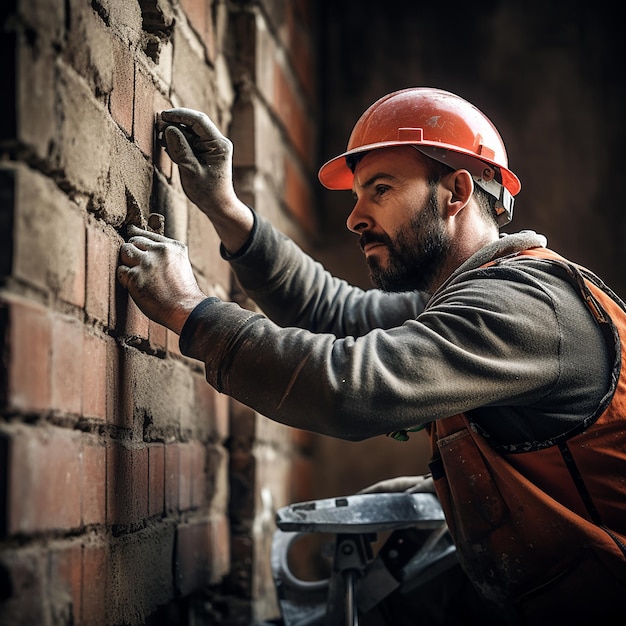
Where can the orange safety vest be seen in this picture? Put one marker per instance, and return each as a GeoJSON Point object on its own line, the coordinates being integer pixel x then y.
{"type": "Point", "coordinates": [542, 533]}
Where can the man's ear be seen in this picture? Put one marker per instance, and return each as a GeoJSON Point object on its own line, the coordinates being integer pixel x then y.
{"type": "Point", "coordinates": [460, 187]}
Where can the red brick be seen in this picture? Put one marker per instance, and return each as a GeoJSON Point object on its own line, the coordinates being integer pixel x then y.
{"type": "Point", "coordinates": [192, 566]}
{"type": "Point", "coordinates": [185, 476]}
{"type": "Point", "coordinates": [141, 482]}
{"type": "Point", "coordinates": [157, 335]}
{"type": "Point", "coordinates": [27, 341]}
{"type": "Point", "coordinates": [34, 92]}
{"type": "Point", "coordinates": [117, 294]}
{"type": "Point", "coordinates": [94, 485]}
{"type": "Point", "coordinates": [300, 48]}
{"type": "Point", "coordinates": [198, 474]}
{"type": "Point", "coordinates": [95, 562]}
{"type": "Point", "coordinates": [148, 101]}
{"type": "Point", "coordinates": [221, 417]}
{"type": "Point", "coordinates": [164, 163]}
{"type": "Point", "coordinates": [65, 575]}
{"type": "Point", "coordinates": [94, 376]}
{"type": "Point", "coordinates": [219, 545]}
{"type": "Point", "coordinates": [100, 272]}
{"type": "Point", "coordinates": [156, 478]}
{"type": "Point", "coordinates": [297, 195]}
{"type": "Point", "coordinates": [291, 112]}
{"type": "Point", "coordinates": [49, 239]}
{"type": "Point", "coordinates": [123, 91]}
{"type": "Point", "coordinates": [204, 251]}
{"type": "Point", "coordinates": [119, 484]}
{"type": "Point", "coordinates": [199, 16]}
{"type": "Point", "coordinates": [25, 599]}
{"type": "Point", "coordinates": [46, 466]}
{"type": "Point", "coordinates": [196, 13]}
{"type": "Point", "coordinates": [115, 415]}
{"type": "Point", "coordinates": [161, 158]}
{"type": "Point", "coordinates": [127, 484]}
{"type": "Point", "coordinates": [67, 365]}
{"type": "Point", "coordinates": [137, 324]}
{"type": "Point", "coordinates": [172, 342]}
{"type": "Point", "coordinates": [172, 487]}
{"type": "Point", "coordinates": [212, 406]}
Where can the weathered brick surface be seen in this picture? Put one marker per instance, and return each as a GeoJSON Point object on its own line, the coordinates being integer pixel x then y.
{"type": "Point", "coordinates": [24, 576]}
{"type": "Point", "coordinates": [88, 46]}
{"type": "Point", "coordinates": [96, 578]}
{"type": "Point", "coordinates": [191, 79]}
{"type": "Point", "coordinates": [156, 479]}
{"type": "Point", "coordinates": [85, 138]}
{"type": "Point", "coordinates": [192, 556]}
{"type": "Point", "coordinates": [67, 365]}
{"type": "Point", "coordinates": [185, 477]}
{"type": "Point", "coordinates": [139, 574]}
{"type": "Point", "coordinates": [145, 107]}
{"type": "Point", "coordinates": [45, 464]}
{"type": "Point", "coordinates": [45, 220]}
{"type": "Point", "coordinates": [26, 342]}
{"type": "Point", "coordinates": [101, 260]}
{"type": "Point", "coordinates": [94, 376]}
{"type": "Point", "coordinates": [292, 113]}
{"type": "Point", "coordinates": [172, 476]}
{"type": "Point", "coordinates": [300, 41]}
{"type": "Point", "coordinates": [121, 101]}
{"type": "Point", "coordinates": [298, 197]}
{"type": "Point", "coordinates": [94, 481]}
{"type": "Point", "coordinates": [127, 483]}
{"type": "Point", "coordinates": [121, 467]}
{"type": "Point", "coordinates": [65, 580]}
{"type": "Point", "coordinates": [199, 16]}
{"type": "Point", "coordinates": [35, 97]}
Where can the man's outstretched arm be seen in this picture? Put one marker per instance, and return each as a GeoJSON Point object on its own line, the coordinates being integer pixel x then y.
{"type": "Point", "coordinates": [204, 157]}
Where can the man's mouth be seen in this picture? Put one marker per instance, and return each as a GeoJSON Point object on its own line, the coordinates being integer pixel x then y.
{"type": "Point", "coordinates": [368, 247]}
{"type": "Point", "coordinates": [369, 242]}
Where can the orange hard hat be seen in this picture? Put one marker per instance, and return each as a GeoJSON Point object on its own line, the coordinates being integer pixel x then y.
{"type": "Point", "coordinates": [444, 127]}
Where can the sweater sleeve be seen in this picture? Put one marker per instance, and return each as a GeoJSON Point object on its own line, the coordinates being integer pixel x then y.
{"type": "Point", "coordinates": [292, 289]}
{"type": "Point", "coordinates": [477, 346]}
{"type": "Point", "coordinates": [352, 364]}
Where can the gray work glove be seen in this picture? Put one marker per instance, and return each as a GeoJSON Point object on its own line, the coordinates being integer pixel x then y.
{"type": "Point", "coordinates": [205, 161]}
{"type": "Point", "coordinates": [158, 275]}
{"type": "Point", "coordinates": [203, 154]}
{"type": "Point", "coordinates": [407, 484]}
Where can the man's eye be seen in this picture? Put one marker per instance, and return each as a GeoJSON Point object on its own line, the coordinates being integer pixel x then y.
{"type": "Point", "coordinates": [381, 189]}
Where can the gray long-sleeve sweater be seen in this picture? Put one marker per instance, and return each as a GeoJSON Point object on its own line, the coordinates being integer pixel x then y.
{"type": "Point", "coordinates": [512, 344]}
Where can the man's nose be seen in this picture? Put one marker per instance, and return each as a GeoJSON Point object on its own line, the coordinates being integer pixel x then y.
{"type": "Point", "coordinates": [359, 219]}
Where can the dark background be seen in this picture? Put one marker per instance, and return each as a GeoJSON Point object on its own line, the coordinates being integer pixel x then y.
{"type": "Point", "coordinates": [548, 74]}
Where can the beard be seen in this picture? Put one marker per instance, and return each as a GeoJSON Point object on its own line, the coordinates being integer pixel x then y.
{"type": "Point", "coordinates": [417, 254]}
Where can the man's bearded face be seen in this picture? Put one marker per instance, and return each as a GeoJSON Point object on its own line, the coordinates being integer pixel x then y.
{"type": "Point", "coordinates": [417, 253]}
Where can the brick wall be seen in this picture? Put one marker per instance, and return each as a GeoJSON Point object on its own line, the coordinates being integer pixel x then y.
{"type": "Point", "coordinates": [129, 487]}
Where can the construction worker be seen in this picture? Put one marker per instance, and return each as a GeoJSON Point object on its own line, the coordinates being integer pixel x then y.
{"type": "Point", "coordinates": [507, 355]}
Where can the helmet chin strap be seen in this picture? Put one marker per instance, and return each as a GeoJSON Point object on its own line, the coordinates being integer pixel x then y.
{"type": "Point", "coordinates": [504, 200]}
{"type": "Point", "coordinates": [483, 174]}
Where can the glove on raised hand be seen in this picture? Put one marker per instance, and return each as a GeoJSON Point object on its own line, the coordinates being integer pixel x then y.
{"type": "Point", "coordinates": [203, 155]}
